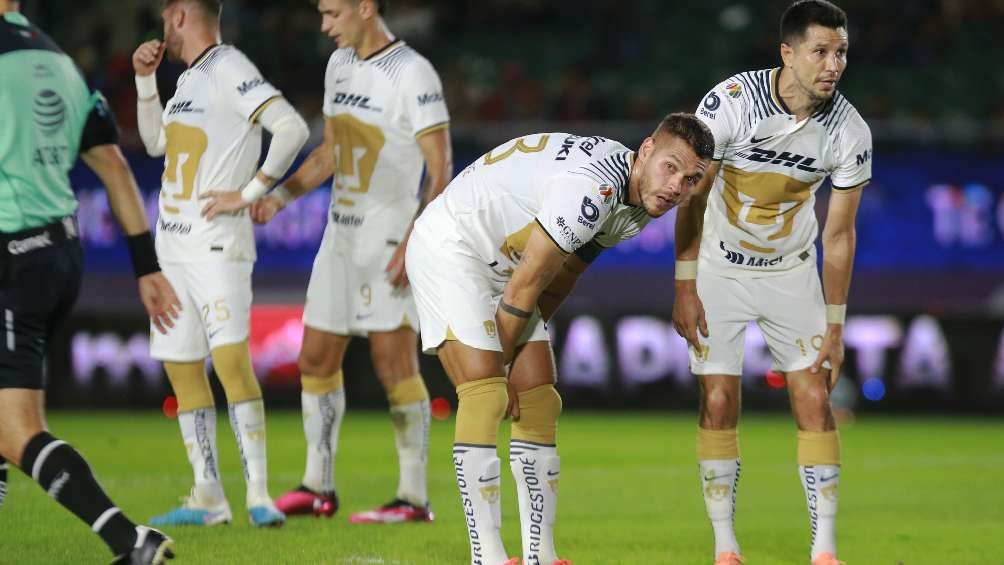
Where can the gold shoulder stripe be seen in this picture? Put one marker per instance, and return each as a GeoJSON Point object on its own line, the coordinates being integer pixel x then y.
{"type": "Point", "coordinates": [261, 108]}
{"type": "Point", "coordinates": [432, 128]}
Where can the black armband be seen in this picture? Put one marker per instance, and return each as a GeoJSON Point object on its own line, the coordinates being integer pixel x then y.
{"type": "Point", "coordinates": [510, 309]}
{"type": "Point", "coordinates": [143, 254]}
{"type": "Point", "coordinates": [589, 251]}
{"type": "Point", "coordinates": [100, 128]}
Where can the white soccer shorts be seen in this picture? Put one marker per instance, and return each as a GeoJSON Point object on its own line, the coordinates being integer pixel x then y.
{"type": "Point", "coordinates": [457, 294]}
{"type": "Point", "coordinates": [215, 309]}
{"type": "Point", "coordinates": [349, 294]}
{"type": "Point", "coordinates": [789, 309]}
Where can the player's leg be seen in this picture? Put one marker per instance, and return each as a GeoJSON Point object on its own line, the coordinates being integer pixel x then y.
{"type": "Point", "coordinates": [718, 366]}
{"type": "Point", "coordinates": [323, 405]}
{"type": "Point", "coordinates": [794, 334]}
{"type": "Point", "coordinates": [533, 450]}
{"type": "Point", "coordinates": [395, 360]}
{"type": "Point", "coordinates": [482, 400]}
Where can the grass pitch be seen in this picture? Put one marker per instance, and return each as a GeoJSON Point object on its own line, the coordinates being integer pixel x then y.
{"type": "Point", "coordinates": [913, 491]}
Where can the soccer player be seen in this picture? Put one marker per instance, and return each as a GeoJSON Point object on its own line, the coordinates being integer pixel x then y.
{"type": "Point", "coordinates": [491, 259]}
{"type": "Point", "coordinates": [210, 134]}
{"type": "Point", "coordinates": [50, 117]}
{"type": "Point", "coordinates": [384, 115]}
{"type": "Point", "coordinates": [746, 251]}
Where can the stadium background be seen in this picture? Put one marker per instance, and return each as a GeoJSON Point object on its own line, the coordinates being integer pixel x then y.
{"type": "Point", "coordinates": [926, 326]}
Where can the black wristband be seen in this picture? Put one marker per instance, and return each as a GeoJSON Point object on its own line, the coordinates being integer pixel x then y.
{"type": "Point", "coordinates": [143, 254]}
{"type": "Point", "coordinates": [510, 309]}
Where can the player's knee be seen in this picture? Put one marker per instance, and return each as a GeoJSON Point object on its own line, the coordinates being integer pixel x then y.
{"type": "Point", "coordinates": [539, 409]}
{"type": "Point", "coordinates": [481, 406]}
{"type": "Point", "coordinates": [813, 402]}
{"type": "Point", "coordinates": [407, 391]}
{"type": "Point", "coordinates": [233, 367]}
{"type": "Point", "coordinates": [316, 363]}
{"type": "Point", "coordinates": [190, 385]}
{"type": "Point", "coordinates": [721, 407]}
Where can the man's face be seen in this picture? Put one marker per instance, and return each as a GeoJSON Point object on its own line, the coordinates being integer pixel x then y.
{"type": "Point", "coordinates": [818, 60]}
{"type": "Point", "coordinates": [669, 172]}
{"type": "Point", "coordinates": [341, 20]}
{"type": "Point", "coordinates": [173, 15]}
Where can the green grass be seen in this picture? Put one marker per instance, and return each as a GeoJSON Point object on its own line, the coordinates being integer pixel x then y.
{"type": "Point", "coordinates": [913, 491]}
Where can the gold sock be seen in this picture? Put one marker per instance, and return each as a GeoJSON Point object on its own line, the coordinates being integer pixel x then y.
{"type": "Point", "coordinates": [480, 408]}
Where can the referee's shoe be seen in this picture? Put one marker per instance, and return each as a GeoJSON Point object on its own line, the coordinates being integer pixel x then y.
{"type": "Point", "coordinates": [152, 548]}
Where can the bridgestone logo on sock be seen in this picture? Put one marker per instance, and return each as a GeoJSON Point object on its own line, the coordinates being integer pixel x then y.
{"type": "Point", "coordinates": [536, 499]}
{"type": "Point", "coordinates": [205, 445]}
{"type": "Point", "coordinates": [812, 497]}
{"type": "Point", "coordinates": [472, 525]}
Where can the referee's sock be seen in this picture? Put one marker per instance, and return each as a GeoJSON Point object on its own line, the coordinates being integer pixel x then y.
{"type": "Point", "coordinates": [64, 474]}
{"type": "Point", "coordinates": [3, 480]}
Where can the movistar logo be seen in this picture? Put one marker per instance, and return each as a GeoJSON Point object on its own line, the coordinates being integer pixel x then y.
{"type": "Point", "coordinates": [49, 112]}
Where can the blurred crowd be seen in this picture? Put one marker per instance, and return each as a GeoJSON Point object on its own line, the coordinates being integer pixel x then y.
{"type": "Point", "coordinates": [564, 60]}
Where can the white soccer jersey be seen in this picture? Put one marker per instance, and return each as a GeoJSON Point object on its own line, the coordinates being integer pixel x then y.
{"type": "Point", "coordinates": [574, 187]}
{"type": "Point", "coordinates": [380, 105]}
{"type": "Point", "coordinates": [760, 218]}
{"type": "Point", "coordinates": [213, 144]}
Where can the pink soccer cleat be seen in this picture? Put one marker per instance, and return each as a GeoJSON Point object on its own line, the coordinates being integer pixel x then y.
{"type": "Point", "coordinates": [394, 512]}
{"type": "Point", "coordinates": [303, 501]}
{"type": "Point", "coordinates": [729, 558]}
{"type": "Point", "coordinates": [826, 558]}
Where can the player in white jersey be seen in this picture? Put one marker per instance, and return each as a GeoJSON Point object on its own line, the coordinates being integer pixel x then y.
{"type": "Point", "coordinates": [210, 135]}
{"type": "Point", "coordinates": [778, 134]}
{"type": "Point", "coordinates": [491, 260]}
{"type": "Point", "coordinates": [384, 118]}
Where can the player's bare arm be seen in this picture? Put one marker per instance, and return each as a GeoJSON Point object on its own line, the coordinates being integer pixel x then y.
{"type": "Point", "coordinates": [315, 169]}
{"type": "Point", "coordinates": [564, 281]}
{"type": "Point", "coordinates": [839, 243]}
{"type": "Point", "coordinates": [438, 153]}
{"type": "Point", "coordinates": [107, 161]}
{"type": "Point", "coordinates": [688, 310]}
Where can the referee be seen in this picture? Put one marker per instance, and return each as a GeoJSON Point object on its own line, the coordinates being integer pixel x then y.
{"type": "Point", "coordinates": [48, 118]}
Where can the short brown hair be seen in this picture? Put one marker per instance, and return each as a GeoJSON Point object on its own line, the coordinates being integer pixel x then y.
{"type": "Point", "coordinates": [691, 130]}
{"type": "Point", "coordinates": [213, 8]}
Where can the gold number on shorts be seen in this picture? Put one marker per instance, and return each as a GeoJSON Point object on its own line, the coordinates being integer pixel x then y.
{"type": "Point", "coordinates": [520, 146]}
{"type": "Point", "coordinates": [763, 199]}
{"type": "Point", "coordinates": [188, 141]}
{"type": "Point", "coordinates": [816, 342]}
{"type": "Point", "coordinates": [367, 294]}
{"type": "Point", "coordinates": [219, 308]}
{"type": "Point", "coordinates": [357, 146]}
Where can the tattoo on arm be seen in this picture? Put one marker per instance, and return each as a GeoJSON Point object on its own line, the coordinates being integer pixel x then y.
{"type": "Point", "coordinates": [510, 309]}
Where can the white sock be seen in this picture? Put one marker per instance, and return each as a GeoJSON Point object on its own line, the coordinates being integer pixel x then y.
{"type": "Point", "coordinates": [198, 431]}
{"type": "Point", "coordinates": [820, 483]}
{"type": "Point", "coordinates": [719, 482]}
{"type": "Point", "coordinates": [411, 436]}
{"type": "Point", "coordinates": [248, 422]}
{"type": "Point", "coordinates": [536, 469]}
{"type": "Point", "coordinates": [322, 419]}
{"type": "Point", "coordinates": [480, 482]}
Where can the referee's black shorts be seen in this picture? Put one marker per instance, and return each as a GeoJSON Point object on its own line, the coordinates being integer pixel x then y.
{"type": "Point", "coordinates": [40, 275]}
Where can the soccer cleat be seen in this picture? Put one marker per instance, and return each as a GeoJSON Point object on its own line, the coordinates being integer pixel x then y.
{"type": "Point", "coordinates": [514, 561]}
{"type": "Point", "coordinates": [394, 512]}
{"type": "Point", "coordinates": [266, 516]}
{"type": "Point", "coordinates": [194, 512]}
{"type": "Point", "coordinates": [728, 558]}
{"type": "Point", "coordinates": [152, 548]}
{"type": "Point", "coordinates": [305, 501]}
{"type": "Point", "coordinates": [826, 558]}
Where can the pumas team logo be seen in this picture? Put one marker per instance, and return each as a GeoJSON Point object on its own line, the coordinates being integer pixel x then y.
{"type": "Point", "coordinates": [733, 89]}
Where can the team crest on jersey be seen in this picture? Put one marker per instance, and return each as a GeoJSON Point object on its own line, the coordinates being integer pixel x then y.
{"type": "Point", "coordinates": [734, 89]}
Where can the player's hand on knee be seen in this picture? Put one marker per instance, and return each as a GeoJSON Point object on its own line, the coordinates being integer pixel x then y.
{"type": "Point", "coordinates": [160, 301]}
{"type": "Point", "coordinates": [397, 276]}
{"type": "Point", "coordinates": [688, 315]}
{"type": "Point", "coordinates": [265, 208]}
{"type": "Point", "coordinates": [147, 57]}
{"type": "Point", "coordinates": [832, 350]}
{"type": "Point", "coordinates": [221, 203]}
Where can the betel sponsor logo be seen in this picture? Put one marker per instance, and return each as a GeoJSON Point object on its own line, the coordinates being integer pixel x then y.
{"type": "Point", "coordinates": [49, 111]}
{"type": "Point", "coordinates": [429, 98]}
{"type": "Point", "coordinates": [712, 102]}
{"type": "Point", "coordinates": [468, 505]}
{"type": "Point", "coordinates": [589, 210]}
{"type": "Point", "coordinates": [535, 497]}
{"type": "Point", "coordinates": [737, 258]}
{"type": "Point", "coordinates": [249, 85]}
{"type": "Point", "coordinates": [29, 244]}
{"type": "Point", "coordinates": [355, 100]}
